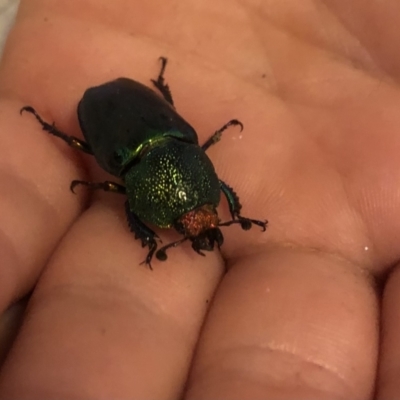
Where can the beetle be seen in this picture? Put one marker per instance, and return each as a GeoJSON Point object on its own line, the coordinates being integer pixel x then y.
{"type": "Point", "coordinates": [137, 135]}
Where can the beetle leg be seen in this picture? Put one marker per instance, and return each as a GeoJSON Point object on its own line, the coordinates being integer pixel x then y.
{"type": "Point", "coordinates": [142, 232]}
{"type": "Point", "coordinates": [160, 83]}
{"type": "Point", "coordinates": [235, 207]}
{"type": "Point", "coordinates": [50, 128]}
{"type": "Point", "coordinates": [107, 186]}
{"type": "Point", "coordinates": [216, 137]}
{"type": "Point", "coordinates": [233, 199]}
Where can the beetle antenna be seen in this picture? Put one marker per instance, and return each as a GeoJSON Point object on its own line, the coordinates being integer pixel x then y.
{"type": "Point", "coordinates": [246, 223]}
{"type": "Point", "coordinates": [161, 253]}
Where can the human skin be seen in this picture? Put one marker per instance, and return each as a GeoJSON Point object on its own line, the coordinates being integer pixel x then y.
{"type": "Point", "coordinates": [310, 309]}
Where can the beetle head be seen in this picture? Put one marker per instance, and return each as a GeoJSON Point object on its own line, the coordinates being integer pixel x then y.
{"type": "Point", "coordinates": [194, 223]}
{"type": "Point", "coordinates": [200, 226]}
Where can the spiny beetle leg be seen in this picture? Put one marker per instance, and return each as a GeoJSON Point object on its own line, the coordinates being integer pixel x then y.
{"type": "Point", "coordinates": [142, 232]}
{"type": "Point", "coordinates": [216, 137]}
{"type": "Point", "coordinates": [107, 186]}
{"type": "Point", "coordinates": [235, 207]}
{"type": "Point", "coordinates": [50, 128]}
{"type": "Point", "coordinates": [160, 83]}
{"type": "Point", "coordinates": [233, 199]}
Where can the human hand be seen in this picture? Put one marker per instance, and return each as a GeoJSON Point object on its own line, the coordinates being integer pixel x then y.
{"type": "Point", "coordinates": [296, 315]}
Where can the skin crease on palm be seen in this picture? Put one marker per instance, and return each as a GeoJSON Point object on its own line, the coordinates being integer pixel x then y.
{"type": "Point", "coordinates": [310, 309]}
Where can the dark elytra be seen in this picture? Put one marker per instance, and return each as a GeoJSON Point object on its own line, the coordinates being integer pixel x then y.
{"type": "Point", "coordinates": [169, 181]}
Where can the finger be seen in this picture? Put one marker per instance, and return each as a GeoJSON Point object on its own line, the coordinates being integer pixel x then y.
{"type": "Point", "coordinates": [289, 324]}
{"type": "Point", "coordinates": [10, 322]}
{"type": "Point", "coordinates": [388, 385]}
{"type": "Point", "coordinates": [100, 325]}
{"type": "Point", "coordinates": [35, 206]}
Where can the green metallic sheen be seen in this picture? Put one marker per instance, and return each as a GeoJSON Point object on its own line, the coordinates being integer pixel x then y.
{"type": "Point", "coordinates": [171, 179]}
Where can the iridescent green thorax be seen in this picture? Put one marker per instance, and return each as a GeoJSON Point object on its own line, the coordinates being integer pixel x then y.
{"type": "Point", "coordinates": [171, 179]}
{"type": "Point", "coordinates": [128, 155]}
